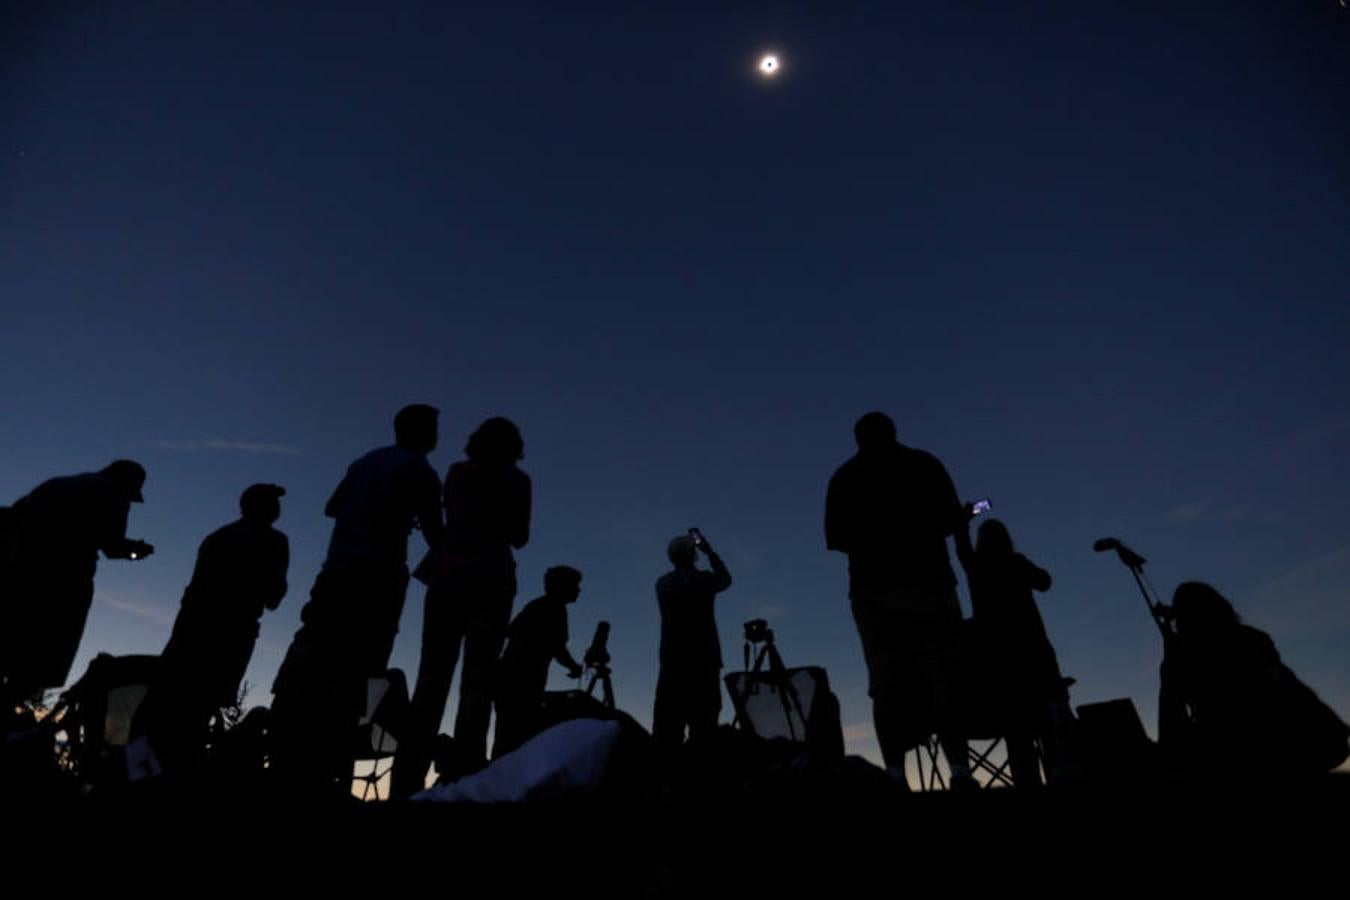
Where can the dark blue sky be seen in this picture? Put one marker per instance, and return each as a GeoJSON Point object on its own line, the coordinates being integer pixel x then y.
{"type": "Point", "coordinates": [1091, 255]}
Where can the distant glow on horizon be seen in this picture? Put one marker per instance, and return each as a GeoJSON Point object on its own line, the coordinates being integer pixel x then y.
{"type": "Point", "coordinates": [769, 65]}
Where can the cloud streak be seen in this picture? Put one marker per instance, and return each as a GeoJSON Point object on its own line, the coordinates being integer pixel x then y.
{"type": "Point", "coordinates": [139, 610]}
{"type": "Point", "coordinates": [1189, 512]}
{"type": "Point", "coordinates": [220, 445]}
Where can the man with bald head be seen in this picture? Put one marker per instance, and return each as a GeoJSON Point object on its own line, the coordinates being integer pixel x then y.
{"type": "Point", "coordinates": [891, 508]}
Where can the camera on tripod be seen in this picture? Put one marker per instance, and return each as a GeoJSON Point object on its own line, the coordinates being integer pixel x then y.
{"type": "Point", "coordinates": [757, 631]}
{"type": "Point", "coordinates": [597, 660]}
{"type": "Point", "coordinates": [773, 701]}
{"type": "Point", "coordinates": [597, 654]}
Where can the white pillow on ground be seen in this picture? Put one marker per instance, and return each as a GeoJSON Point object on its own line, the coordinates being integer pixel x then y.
{"type": "Point", "coordinates": [566, 758]}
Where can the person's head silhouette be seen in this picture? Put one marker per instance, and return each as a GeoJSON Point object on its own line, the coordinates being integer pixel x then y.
{"type": "Point", "coordinates": [993, 539]}
{"type": "Point", "coordinates": [1198, 609]}
{"type": "Point", "coordinates": [415, 427]}
{"type": "Point", "coordinates": [562, 583]}
{"type": "Point", "coordinates": [129, 476]}
{"type": "Point", "coordinates": [261, 503]}
{"type": "Point", "coordinates": [681, 551]}
{"type": "Point", "coordinates": [497, 440]}
{"type": "Point", "coordinates": [874, 431]}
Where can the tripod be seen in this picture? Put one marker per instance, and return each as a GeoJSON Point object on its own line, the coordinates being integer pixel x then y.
{"type": "Point", "coordinates": [1135, 563]}
{"type": "Point", "coordinates": [600, 675]}
{"type": "Point", "coordinates": [597, 663]}
{"type": "Point", "coordinates": [776, 678]}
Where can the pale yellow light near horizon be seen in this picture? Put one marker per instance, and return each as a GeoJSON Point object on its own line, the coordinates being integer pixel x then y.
{"type": "Point", "coordinates": [769, 65]}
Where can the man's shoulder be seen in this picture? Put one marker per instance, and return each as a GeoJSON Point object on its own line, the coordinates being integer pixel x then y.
{"type": "Point", "coordinates": [399, 461]}
{"type": "Point", "coordinates": [846, 476]}
{"type": "Point", "coordinates": [913, 456]}
{"type": "Point", "coordinates": [242, 531]}
{"type": "Point", "coordinates": [392, 455]}
{"type": "Point", "coordinates": [706, 576]}
{"type": "Point", "coordinates": [536, 605]}
{"type": "Point", "coordinates": [85, 485]}
{"type": "Point", "coordinates": [847, 467]}
{"type": "Point", "coordinates": [230, 531]}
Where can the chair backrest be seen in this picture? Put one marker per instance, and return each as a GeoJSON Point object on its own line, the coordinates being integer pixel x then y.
{"type": "Point", "coordinates": [96, 713]}
{"type": "Point", "coordinates": [1115, 746]}
{"type": "Point", "coordinates": [106, 697]}
{"type": "Point", "coordinates": [378, 732]}
{"type": "Point", "coordinates": [798, 707]}
{"type": "Point", "coordinates": [385, 717]}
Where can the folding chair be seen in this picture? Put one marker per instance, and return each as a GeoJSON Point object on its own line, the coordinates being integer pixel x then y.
{"type": "Point", "coordinates": [986, 730]}
{"type": "Point", "coordinates": [773, 701]}
{"type": "Point", "coordinates": [377, 734]}
{"type": "Point", "coordinates": [96, 714]}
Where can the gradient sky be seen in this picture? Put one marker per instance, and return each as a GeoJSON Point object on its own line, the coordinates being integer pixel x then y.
{"type": "Point", "coordinates": [1092, 255]}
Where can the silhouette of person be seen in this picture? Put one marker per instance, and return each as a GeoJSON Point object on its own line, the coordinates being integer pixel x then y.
{"type": "Point", "coordinates": [471, 584]}
{"type": "Point", "coordinates": [1228, 704]}
{"type": "Point", "coordinates": [688, 686]}
{"type": "Point", "coordinates": [240, 571]}
{"type": "Point", "coordinates": [348, 626]}
{"type": "Point", "coordinates": [1022, 678]}
{"type": "Point", "coordinates": [891, 509]}
{"type": "Point", "coordinates": [536, 637]}
{"type": "Point", "coordinates": [56, 533]}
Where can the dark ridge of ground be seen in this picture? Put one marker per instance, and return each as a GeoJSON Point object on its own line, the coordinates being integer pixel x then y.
{"type": "Point", "coordinates": [778, 843]}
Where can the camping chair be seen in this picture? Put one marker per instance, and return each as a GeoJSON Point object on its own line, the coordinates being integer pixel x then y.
{"type": "Point", "coordinates": [772, 701]}
{"type": "Point", "coordinates": [377, 734]}
{"type": "Point", "coordinates": [987, 737]}
{"type": "Point", "coordinates": [96, 714]}
{"type": "Point", "coordinates": [985, 725]}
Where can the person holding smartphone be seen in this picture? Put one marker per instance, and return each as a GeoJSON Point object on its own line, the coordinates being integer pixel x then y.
{"type": "Point", "coordinates": [47, 564]}
{"type": "Point", "coordinates": [1008, 645]}
{"type": "Point", "coordinates": [688, 687]}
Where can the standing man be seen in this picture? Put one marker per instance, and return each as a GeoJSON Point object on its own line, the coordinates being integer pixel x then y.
{"type": "Point", "coordinates": [351, 619]}
{"type": "Point", "coordinates": [891, 509]}
{"type": "Point", "coordinates": [240, 571]}
{"type": "Point", "coordinates": [537, 637]}
{"type": "Point", "coordinates": [47, 566]}
{"type": "Point", "coordinates": [688, 688]}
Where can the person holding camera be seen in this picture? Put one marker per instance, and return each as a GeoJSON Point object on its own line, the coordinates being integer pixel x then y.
{"type": "Point", "coordinates": [47, 566]}
{"type": "Point", "coordinates": [1229, 707]}
{"type": "Point", "coordinates": [688, 688]}
{"type": "Point", "coordinates": [535, 638]}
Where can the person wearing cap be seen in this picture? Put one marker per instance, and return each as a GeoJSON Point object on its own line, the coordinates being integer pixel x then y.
{"type": "Point", "coordinates": [47, 568]}
{"type": "Point", "coordinates": [349, 624]}
{"type": "Point", "coordinates": [891, 508]}
{"type": "Point", "coordinates": [688, 686]}
{"type": "Point", "coordinates": [240, 572]}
